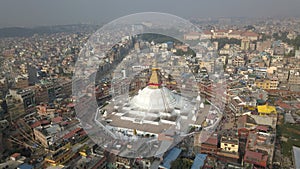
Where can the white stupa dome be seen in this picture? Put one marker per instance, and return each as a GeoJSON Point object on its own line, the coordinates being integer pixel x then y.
{"type": "Point", "coordinates": [155, 99]}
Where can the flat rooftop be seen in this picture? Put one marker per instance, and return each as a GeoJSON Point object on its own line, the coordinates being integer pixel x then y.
{"type": "Point", "coordinates": [118, 122]}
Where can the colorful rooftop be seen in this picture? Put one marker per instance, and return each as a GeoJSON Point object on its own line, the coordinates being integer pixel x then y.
{"type": "Point", "coordinates": [199, 161]}
{"type": "Point", "coordinates": [266, 109]}
{"type": "Point", "coordinates": [256, 158]}
{"type": "Point", "coordinates": [171, 156]}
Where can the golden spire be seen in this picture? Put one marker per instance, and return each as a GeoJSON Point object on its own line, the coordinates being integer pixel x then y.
{"type": "Point", "coordinates": [154, 81]}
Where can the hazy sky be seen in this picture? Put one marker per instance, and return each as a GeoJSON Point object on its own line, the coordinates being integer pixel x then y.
{"type": "Point", "coordinates": [50, 12]}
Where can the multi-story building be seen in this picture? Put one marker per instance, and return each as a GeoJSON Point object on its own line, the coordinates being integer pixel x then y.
{"type": "Point", "coordinates": [206, 34]}
{"type": "Point", "coordinates": [238, 61]}
{"type": "Point", "coordinates": [192, 36]}
{"type": "Point", "coordinates": [229, 149]}
{"type": "Point", "coordinates": [245, 44]}
{"type": "Point", "coordinates": [219, 34]}
{"type": "Point", "coordinates": [255, 158]}
{"type": "Point", "coordinates": [210, 146]}
{"type": "Point", "coordinates": [236, 104]}
{"type": "Point", "coordinates": [21, 82]}
{"type": "Point", "coordinates": [42, 136]}
{"type": "Point", "coordinates": [229, 144]}
{"type": "Point", "coordinates": [64, 88]}
{"type": "Point", "coordinates": [41, 94]}
{"type": "Point", "coordinates": [122, 162]}
{"type": "Point", "coordinates": [262, 46]}
{"type": "Point", "coordinates": [279, 49]}
{"type": "Point", "coordinates": [274, 83]}
{"type": "Point", "coordinates": [261, 71]}
{"type": "Point", "coordinates": [209, 65]}
{"type": "Point", "coordinates": [32, 74]}
{"type": "Point", "coordinates": [61, 156]}
{"type": "Point", "coordinates": [282, 74]}
{"type": "Point", "coordinates": [252, 36]}
{"type": "Point", "coordinates": [294, 77]}
{"type": "Point", "coordinates": [245, 123]}
{"type": "Point", "coordinates": [230, 34]}
{"type": "Point", "coordinates": [271, 83]}
{"type": "Point", "coordinates": [234, 34]}
{"type": "Point", "coordinates": [48, 91]}
{"type": "Point", "coordinates": [20, 102]}
{"type": "Point", "coordinates": [261, 143]}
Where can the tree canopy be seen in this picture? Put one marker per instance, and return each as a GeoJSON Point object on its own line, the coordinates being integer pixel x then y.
{"type": "Point", "coordinates": [223, 41]}
{"type": "Point", "coordinates": [181, 163]}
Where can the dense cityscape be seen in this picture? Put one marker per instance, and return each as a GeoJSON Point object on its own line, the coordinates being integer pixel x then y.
{"type": "Point", "coordinates": [253, 119]}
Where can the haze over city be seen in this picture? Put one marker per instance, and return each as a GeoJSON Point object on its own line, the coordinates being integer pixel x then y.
{"type": "Point", "coordinates": [156, 84]}
{"type": "Point", "coordinates": [31, 13]}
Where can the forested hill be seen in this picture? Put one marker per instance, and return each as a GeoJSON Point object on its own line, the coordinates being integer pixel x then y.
{"type": "Point", "coordinates": [26, 32]}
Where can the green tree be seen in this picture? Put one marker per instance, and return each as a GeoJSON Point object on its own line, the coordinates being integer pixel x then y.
{"type": "Point", "coordinates": [180, 52]}
{"type": "Point", "coordinates": [264, 37]}
{"type": "Point", "coordinates": [296, 42]}
{"type": "Point", "coordinates": [157, 38]}
{"type": "Point", "coordinates": [223, 41]}
{"type": "Point", "coordinates": [181, 163]}
{"type": "Point", "coordinates": [249, 27]}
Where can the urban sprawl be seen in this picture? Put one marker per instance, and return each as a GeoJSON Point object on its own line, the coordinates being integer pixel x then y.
{"type": "Point", "coordinates": [254, 122]}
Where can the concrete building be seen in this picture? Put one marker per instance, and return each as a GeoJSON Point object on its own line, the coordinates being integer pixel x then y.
{"type": "Point", "coordinates": [229, 144]}
{"type": "Point", "coordinates": [42, 136]}
{"type": "Point", "coordinates": [271, 83]}
{"type": "Point", "coordinates": [262, 46]}
{"type": "Point", "coordinates": [20, 102]}
{"type": "Point", "coordinates": [208, 65]}
{"type": "Point", "coordinates": [255, 158]}
{"type": "Point", "coordinates": [279, 49]}
{"type": "Point", "coordinates": [61, 156]}
{"type": "Point", "coordinates": [283, 74]}
{"type": "Point", "coordinates": [245, 44]}
{"type": "Point", "coordinates": [48, 91]}
{"type": "Point", "coordinates": [238, 61]}
{"type": "Point", "coordinates": [229, 151]}
{"type": "Point", "coordinates": [294, 77]}
{"type": "Point", "coordinates": [192, 36]}
{"type": "Point", "coordinates": [252, 36]}
{"type": "Point", "coordinates": [210, 146]}
{"type": "Point", "coordinates": [32, 75]}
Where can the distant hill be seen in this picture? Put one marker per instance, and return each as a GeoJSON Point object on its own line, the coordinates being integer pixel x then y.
{"type": "Point", "coordinates": [27, 32]}
{"type": "Point", "coordinates": [15, 31]}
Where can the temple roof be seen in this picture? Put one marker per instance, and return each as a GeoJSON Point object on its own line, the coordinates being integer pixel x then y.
{"type": "Point", "coordinates": [155, 81]}
{"type": "Point", "coordinates": [155, 97]}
